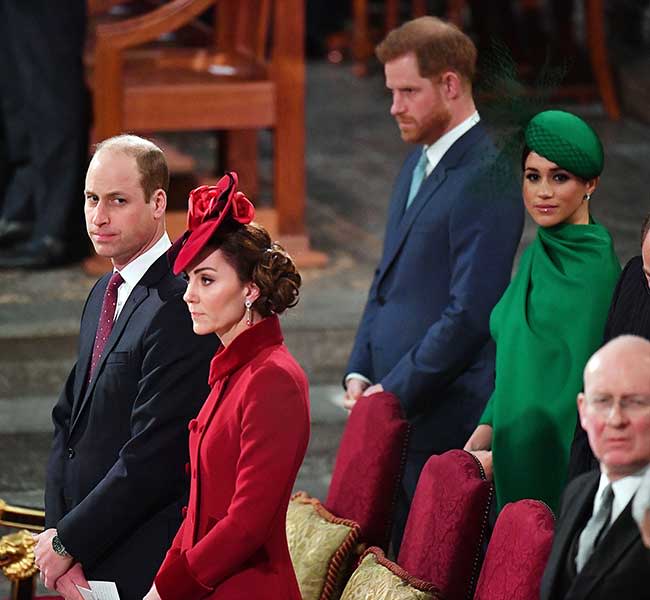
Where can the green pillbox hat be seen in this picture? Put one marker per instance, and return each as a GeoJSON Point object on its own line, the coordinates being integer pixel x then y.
{"type": "Point", "coordinates": [566, 140]}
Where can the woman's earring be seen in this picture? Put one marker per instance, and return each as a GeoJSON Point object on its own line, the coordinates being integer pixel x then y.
{"type": "Point", "coordinates": [587, 197]}
{"type": "Point", "coordinates": [249, 313]}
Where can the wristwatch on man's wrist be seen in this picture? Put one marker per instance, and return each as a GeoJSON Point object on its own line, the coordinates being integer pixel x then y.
{"type": "Point", "coordinates": [59, 548]}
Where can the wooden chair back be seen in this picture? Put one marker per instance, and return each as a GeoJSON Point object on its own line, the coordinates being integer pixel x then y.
{"type": "Point", "coordinates": [251, 77]}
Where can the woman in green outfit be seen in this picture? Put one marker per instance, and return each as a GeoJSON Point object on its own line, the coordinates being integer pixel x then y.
{"type": "Point", "coordinates": [551, 317]}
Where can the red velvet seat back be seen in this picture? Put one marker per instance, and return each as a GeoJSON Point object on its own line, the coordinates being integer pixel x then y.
{"type": "Point", "coordinates": [369, 466]}
{"type": "Point", "coordinates": [517, 553]}
{"type": "Point", "coordinates": [447, 523]}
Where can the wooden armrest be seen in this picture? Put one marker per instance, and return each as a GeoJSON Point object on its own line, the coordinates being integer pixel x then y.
{"type": "Point", "coordinates": [21, 518]}
{"type": "Point", "coordinates": [146, 28]}
{"type": "Point", "coordinates": [98, 7]}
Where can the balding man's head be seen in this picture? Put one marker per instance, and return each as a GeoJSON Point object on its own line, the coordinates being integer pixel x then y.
{"type": "Point", "coordinates": [149, 158]}
{"type": "Point", "coordinates": [615, 406]}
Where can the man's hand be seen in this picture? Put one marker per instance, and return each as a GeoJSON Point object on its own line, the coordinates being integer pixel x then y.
{"type": "Point", "coordinates": [373, 389]}
{"type": "Point", "coordinates": [51, 565]}
{"type": "Point", "coordinates": [481, 439]}
{"type": "Point", "coordinates": [354, 389]}
{"type": "Point", "coordinates": [152, 594]}
{"type": "Point", "coordinates": [67, 584]}
{"type": "Point", "coordinates": [485, 458]}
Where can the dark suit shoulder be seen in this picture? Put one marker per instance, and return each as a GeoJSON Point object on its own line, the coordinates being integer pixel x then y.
{"type": "Point", "coordinates": [171, 287]}
{"type": "Point", "coordinates": [160, 276]}
{"type": "Point", "coordinates": [583, 479]}
{"type": "Point", "coordinates": [576, 486]}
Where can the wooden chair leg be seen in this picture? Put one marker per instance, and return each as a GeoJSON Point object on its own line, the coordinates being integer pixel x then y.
{"type": "Point", "coordinates": [596, 43]}
{"type": "Point", "coordinates": [360, 37]}
{"type": "Point", "coordinates": [289, 173]}
{"type": "Point", "coordinates": [392, 15]}
{"type": "Point", "coordinates": [238, 152]}
{"type": "Point", "coordinates": [418, 8]}
{"type": "Point", "coordinates": [289, 134]}
{"type": "Point", "coordinates": [455, 9]}
{"type": "Point", "coordinates": [23, 589]}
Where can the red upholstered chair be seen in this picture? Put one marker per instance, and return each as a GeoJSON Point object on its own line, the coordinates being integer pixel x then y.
{"type": "Point", "coordinates": [447, 524]}
{"type": "Point", "coordinates": [369, 466]}
{"type": "Point", "coordinates": [517, 552]}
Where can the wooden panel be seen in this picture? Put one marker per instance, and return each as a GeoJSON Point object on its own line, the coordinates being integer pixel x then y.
{"type": "Point", "coordinates": [198, 107]}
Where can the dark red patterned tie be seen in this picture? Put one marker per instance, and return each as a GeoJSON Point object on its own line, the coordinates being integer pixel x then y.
{"type": "Point", "coordinates": [105, 320]}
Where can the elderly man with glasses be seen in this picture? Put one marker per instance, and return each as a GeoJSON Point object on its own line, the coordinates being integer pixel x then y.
{"type": "Point", "coordinates": [598, 550]}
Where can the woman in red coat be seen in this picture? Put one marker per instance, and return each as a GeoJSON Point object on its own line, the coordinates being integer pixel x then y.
{"type": "Point", "coordinates": [249, 439]}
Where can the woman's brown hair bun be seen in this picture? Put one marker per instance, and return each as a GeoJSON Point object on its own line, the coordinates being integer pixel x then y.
{"type": "Point", "coordinates": [278, 280]}
{"type": "Point", "coordinates": [255, 258]}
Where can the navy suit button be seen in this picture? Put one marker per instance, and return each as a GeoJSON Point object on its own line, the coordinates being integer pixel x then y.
{"type": "Point", "coordinates": [70, 453]}
{"type": "Point", "coordinates": [381, 300]}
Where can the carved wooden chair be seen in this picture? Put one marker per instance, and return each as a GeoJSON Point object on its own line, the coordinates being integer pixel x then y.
{"type": "Point", "coordinates": [250, 77]}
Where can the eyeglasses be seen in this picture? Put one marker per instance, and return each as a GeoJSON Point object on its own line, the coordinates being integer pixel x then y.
{"type": "Point", "coordinates": [631, 405]}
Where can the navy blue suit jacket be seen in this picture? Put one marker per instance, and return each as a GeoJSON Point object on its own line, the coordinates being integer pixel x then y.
{"type": "Point", "coordinates": [116, 480]}
{"type": "Point", "coordinates": [446, 261]}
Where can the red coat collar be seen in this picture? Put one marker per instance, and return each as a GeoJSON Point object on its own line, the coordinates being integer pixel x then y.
{"type": "Point", "coordinates": [246, 346]}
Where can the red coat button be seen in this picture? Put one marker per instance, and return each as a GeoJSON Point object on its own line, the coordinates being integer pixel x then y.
{"type": "Point", "coordinates": [193, 425]}
{"type": "Point", "coordinates": [187, 469]}
{"type": "Point", "coordinates": [184, 511]}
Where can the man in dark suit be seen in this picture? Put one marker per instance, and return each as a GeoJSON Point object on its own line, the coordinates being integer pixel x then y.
{"type": "Point", "coordinates": [454, 224]}
{"type": "Point", "coordinates": [44, 115]}
{"type": "Point", "coordinates": [116, 477]}
{"type": "Point", "coordinates": [598, 551]}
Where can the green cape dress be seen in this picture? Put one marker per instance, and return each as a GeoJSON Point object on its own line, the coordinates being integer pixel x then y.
{"type": "Point", "coordinates": [546, 326]}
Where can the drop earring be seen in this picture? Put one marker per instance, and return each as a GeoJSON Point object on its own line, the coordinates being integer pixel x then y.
{"type": "Point", "coordinates": [249, 313]}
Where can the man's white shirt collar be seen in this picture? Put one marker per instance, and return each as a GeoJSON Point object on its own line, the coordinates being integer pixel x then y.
{"type": "Point", "coordinates": [438, 149]}
{"type": "Point", "coordinates": [133, 272]}
{"type": "Point", "coordinates": [624, 489]}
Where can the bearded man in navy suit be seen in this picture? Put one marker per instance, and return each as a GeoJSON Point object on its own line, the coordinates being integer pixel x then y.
{"type": "Point", "coordinates": [116, 477]}
{"type": "Point", "coordinates": [454, 223]}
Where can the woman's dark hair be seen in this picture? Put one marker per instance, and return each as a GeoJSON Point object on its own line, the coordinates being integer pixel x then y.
{"type": "Point", "coordinates": [645, 228]}
{"type": "Point", "coordinates": [524, 155]}
{"type": "Point", "coordinates": [255, 258]}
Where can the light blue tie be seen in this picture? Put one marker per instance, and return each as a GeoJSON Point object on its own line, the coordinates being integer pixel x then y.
{"type": "Point", "coordinates": [419, 173]}
{"type": "Point", "coordinates": [595, 528]}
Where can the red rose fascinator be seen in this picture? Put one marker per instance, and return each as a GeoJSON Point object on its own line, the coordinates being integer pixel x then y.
{"type": "Point", "coordinates": [209, 206]}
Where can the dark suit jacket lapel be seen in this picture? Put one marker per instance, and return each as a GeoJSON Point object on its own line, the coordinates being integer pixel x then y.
{"type": "Point", "coordinates": [87, 340]}
{"type": "Point", "coordinates": [576, 516]}
{"type": "Point", "coordinates": [623, 533]}
{"type": "Point", "coordinates": [400, 195]}
{"type": "Point", "coordinates": [402, 220]}
{"type": "Point", "coordinates": [138, 295]}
